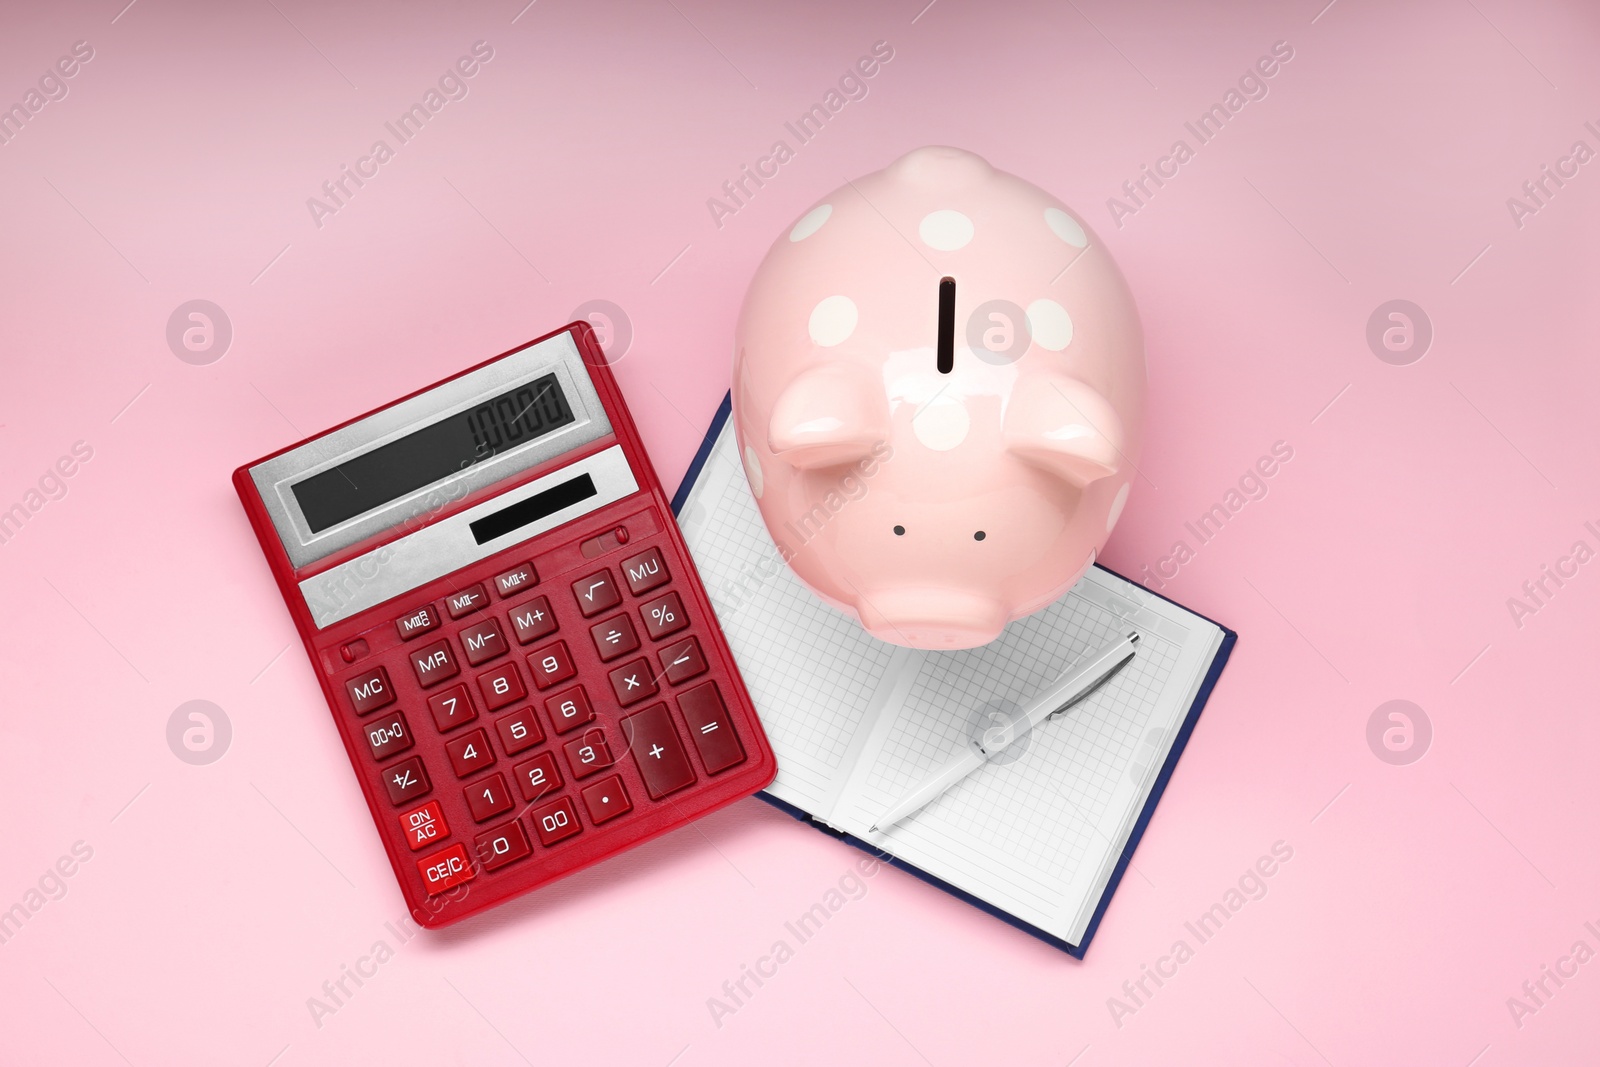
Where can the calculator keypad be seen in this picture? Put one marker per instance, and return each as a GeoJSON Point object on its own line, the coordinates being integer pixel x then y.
{"type": "Point", "coordinates": [543, 765]}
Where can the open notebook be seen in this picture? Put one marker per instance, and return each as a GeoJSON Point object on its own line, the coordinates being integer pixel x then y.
{"type": "Point", "coordinates": [1040, 840]}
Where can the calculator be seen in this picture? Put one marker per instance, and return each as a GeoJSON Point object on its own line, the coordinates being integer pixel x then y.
{"type": "Point", "coordinates": [516, 647]}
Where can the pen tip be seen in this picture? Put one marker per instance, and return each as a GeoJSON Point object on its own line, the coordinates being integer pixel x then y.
{"type": "Point", "coordinates": [873, 828]}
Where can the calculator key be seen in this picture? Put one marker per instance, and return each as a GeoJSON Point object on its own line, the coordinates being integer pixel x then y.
{"type": "Point", "coordinates": [370, 691]}
{"type": "Point", "coordinates": [515, 580]}
{"type": "Point", "coordinates": [537, 777]}
{"type": "Point", "coordinates": [645, 571]}
{"type": "Point", "coordinates": [451, 708]}
{"type": "Point", "coordinates": [551, 664]}
{"type": "Point", "coordinates": [633, 682]}
{"type": "Point", "coordinates": [501, 686]}
{"type": "Point", "coordinates": [663, 763]}
{"type": "Point", "coordinates": [502, 845]}
{"type": "Point", "coordinates": [467, 601]}
{"type": "Point", "coordinates": [519, 731]}
{"type": "Point", "coordinates": [533, 620]}
{"type": "Point", "coordinates": [446, 870]}
{"type": "Point", "coordinates": [483, 642]}
{"type": "Point", "coordinates": [388, 737]}
{"type": "Point", "coordinates": [417, 623]}
{"type": "Point", "coordinates": [663, 615]}
{"type": "Point", "coordinates": [589, 753]}
{"type": "Point", "coordinates": [709, 727]}
{"type": "Point", "coordinates": [470, 753]}
{"type": "Point", "coordinates": [425, 825]}
{"type": "Point", "coordinates": [596, 593]}
{"type": "Point", "coordinates": [606, 799]}
{"type": "Point", "coordinates": [556, 821]}
{"type": "Point", "coordinates": [488, 797]}
{"type": "Point", "coordinates": [434, 663]}
{"type": "Point", "coordinates": [682, 660]}
{"type": "Point", "coordinates": [406, 780]}
{"type": "Point", "coordinates": [569, 709]}
{"type": "Point", "coordinates": [614, 637]}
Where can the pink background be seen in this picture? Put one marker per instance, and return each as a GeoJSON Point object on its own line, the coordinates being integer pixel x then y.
{"type": "Point", "coordinates": [1378, 567]}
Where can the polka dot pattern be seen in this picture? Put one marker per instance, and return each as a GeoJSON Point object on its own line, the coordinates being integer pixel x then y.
{"type": "Point", "coordinates": [811, 222]}
{"type": "Point", "coordinates": [945, 230]}
{"type": "Point", "coordinates": [833, 320]}
{"type": "Point", "coordinates": [1049, 324]}
{"type": "Point", "coordinates": [1065, 227]}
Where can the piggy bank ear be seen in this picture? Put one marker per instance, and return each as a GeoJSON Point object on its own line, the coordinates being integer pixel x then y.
{"type": "Point", "coordinates": [831, 413]}
{"type": "Point", "coordinates": [1064, 426]}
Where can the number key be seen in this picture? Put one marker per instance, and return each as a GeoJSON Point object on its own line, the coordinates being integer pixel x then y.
{"type": "Point", "coordinates": [556, 821]}
{"type": "Point", "coordinates": [502, 845]}
{"type": "Point", "coordinates": [589, 753]}
{"type": "Point", "coordinates": [488, 797]}
{"type": "Point", "coordinates": [537, 777]}
{"type": "Point", "coordinates": [519, 731]}
{"type": "Point", "coordinates": [569, 709]}
{"type": "Point", "coordinates": [551, 664]}
{"type": "Point", "coordinates": [470, 753]}
{"type": "Point", "coordinates": [451, 708]}
{"type": "Point", "coordinates": [501, 686]}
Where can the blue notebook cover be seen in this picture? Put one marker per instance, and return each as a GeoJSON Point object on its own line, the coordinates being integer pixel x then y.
{"type": "Point", "coordinates": [1220, 660]}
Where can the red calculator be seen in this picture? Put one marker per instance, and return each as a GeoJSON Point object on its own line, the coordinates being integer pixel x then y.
{"type": "Point", "coordinates": [517, 649]}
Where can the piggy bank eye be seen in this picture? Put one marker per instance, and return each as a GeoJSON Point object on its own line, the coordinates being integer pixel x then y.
{"type": "Point", "coordinates": [979, 536]}
{"type": "Point", "coordinates": [899, 531]}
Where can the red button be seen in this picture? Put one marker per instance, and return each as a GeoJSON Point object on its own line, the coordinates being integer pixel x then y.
{"type": "Point", "coordinates": [614, 638]}
{"type": "Point", "coordinates": [556, 821]}
{"type": "Point", "coordinates": [606, 799]}
{"type": "Point", "coordinates": [533, 620]}
{"type": "Point", "coordinates": [406, 780]}
{"type": "Point", "coordinates": [663, 615]}
{"type": "Point", "coordinates": [709, 727]}
{"type": "Point", "coordinates": [502, 845]}
{"type": "Point", "coordinates": [633, 682]}
{"type": "Point", "coordinates": [589, 753]}
{"type": "Point", "coordinates": [518, 731]}
{"type": "Point", "coordinates": [425, 825]}
{"type": "Point", "coordinates": [488, 797]}
{"type": "Point", "coordinates": [451, 708]}
{"type": "Point", "coordinates": [596, 593]}
{"type": "Point", "coordinates": [662, 761]}
{"type": "Point", "coordinates": [569, 709]}
{"type": "Point", "coordinates": [515, 580]}
{"type": "Point", "coordinates": [501, 686]}
{"type": "Point", "coordinates": [645, 571]}
{"type": "Point", "coordinates": [551, 664]}
{"type": "Point", "coordinates": [682, 660]}
{"type": "Point", "coordinates": [388, 737]}
{"type": "Point", "coordinates": [370, 691]}
{"type": "Point", "coordinates": [434, 663]}
{"type": "Point", "coordinates": [470, 753]}
{"type": "Point", "coordinates": [445, 870]}
{"type": "Point", "coordinates": [417, 623]}
{"type": "Point", "coordinates": [483, 642]}
{"type": "Point", "coordinates": [467, 601]}
{"type": "Point", "coordinates": [537, 777]}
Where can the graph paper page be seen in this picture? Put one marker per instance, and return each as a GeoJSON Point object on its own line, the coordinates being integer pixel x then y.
{"type": "Point", "coordinates": [1036, 834]}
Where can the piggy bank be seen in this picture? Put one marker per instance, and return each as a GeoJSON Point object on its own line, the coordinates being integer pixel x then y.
{"type": "Point", "coordinates": [938, 395]}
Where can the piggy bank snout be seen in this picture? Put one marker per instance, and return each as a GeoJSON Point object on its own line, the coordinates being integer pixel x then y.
{"type": "Point", "coordinates": [933, 618]}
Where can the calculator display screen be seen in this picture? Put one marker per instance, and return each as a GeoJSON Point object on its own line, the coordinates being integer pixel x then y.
{"type": "Point", "coordinates": [432, 453]}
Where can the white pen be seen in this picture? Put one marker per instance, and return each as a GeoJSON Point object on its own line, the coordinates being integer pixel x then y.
{"type": "Point", "coordinates": [1073, 683]}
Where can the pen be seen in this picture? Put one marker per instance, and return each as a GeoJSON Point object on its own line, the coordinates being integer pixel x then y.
{"type": "Point", "coordinates": [1073, 684]}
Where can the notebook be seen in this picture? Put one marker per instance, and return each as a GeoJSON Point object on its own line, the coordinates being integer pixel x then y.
{"type": "Point", "coordinates": [1039, 839]}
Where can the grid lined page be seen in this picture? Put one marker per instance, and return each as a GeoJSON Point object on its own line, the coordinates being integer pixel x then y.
{"type": "Point", "coordinates": [1037, 836]}
{"type": "Point", "coordinates": [812, 672]}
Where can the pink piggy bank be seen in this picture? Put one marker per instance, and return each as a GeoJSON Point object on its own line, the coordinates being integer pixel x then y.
{"type": "Point", "coordinates": [938, 395]}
